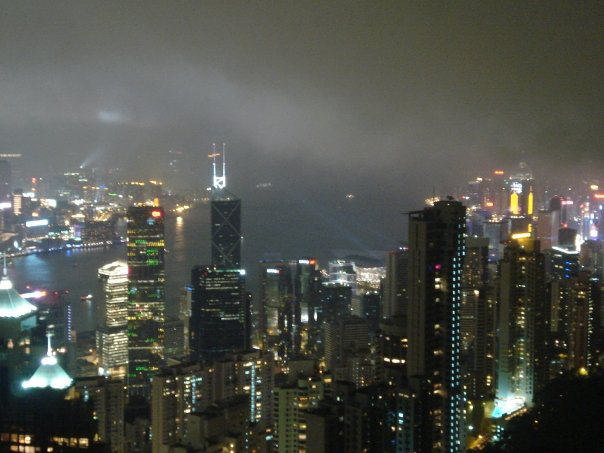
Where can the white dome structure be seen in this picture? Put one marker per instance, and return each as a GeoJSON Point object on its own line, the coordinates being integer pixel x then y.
{"type": "Point", "coordinates": [12, 305]}
{"type": "Point", "coordinates": [49, 374]}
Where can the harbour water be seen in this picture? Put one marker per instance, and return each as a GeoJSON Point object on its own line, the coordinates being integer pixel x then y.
{"type": "Point", "coordinates": [76, 270]}
{"type": "Point", "coordinates": [272, 230]}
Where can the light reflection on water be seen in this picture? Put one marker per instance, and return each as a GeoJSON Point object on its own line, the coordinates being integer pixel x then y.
{"type": "Point", "coordinates": [76, 270]}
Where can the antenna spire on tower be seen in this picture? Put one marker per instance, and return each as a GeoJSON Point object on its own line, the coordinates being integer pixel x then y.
{"type": "Point", "coordinates": [224, 165]}
{"type": "Point", "coordinates": [48, 335]}
{"type": "Point", "coordinates": [218, 182]}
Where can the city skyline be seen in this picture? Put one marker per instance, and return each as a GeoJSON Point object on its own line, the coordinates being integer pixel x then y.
{"type": "Point", "coordinates": [301, 227]}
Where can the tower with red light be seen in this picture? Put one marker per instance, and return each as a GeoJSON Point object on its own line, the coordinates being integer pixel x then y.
{"type": "Point", "coordinates": [146, 300]}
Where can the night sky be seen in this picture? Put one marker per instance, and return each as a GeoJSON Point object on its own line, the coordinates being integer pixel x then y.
{"type": "Point", "coordinates": [385, 100]}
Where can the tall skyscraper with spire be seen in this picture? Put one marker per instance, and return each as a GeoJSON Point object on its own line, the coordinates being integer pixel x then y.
{"type": "Point", "coordinates": [220, 312]}
{"type": "Point", "coordinates": [225, 218]}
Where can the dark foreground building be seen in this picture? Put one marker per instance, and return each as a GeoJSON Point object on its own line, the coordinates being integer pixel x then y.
{"type": "Point", "coordinates": [43, 420]}
{"type": "Point", "coordinates": [436, 254]}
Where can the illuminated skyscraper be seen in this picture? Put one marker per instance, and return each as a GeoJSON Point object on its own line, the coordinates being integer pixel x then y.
{"type": "Point", "coordinates": [277, 310]}
{"type": "Point", "coordinates": [226, 229]}
{"type": "Point", "coordinates": [226, 221]}
{"type": "Point", "coordinates": [112, 333]}
{"type": "Point", "coordinates": [436, 254]}
{"type": "Point", "coordinates": [17, 200]}
{"type": "Point", "coordinates": [581, 320]}
{"type": "Point", "coordinates": [477, 320]}
{"type": "Point", "coordinates": [220, 314]}
{"type": "Point", "coordinates": [344, 273]}
{"type": "Point", "coordinates": [290, 294]}
{"type": "Point", "coordinates": [523, 325]}
{"type": "Point", "coordinates": [146, 303]}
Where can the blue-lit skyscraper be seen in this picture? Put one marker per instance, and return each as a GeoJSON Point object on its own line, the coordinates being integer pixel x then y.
{"type": "Point", "coordinates": [436, 254]}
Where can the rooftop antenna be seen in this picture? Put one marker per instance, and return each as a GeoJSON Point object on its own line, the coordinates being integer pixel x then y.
{"type": "Point", "coordinates": [48, 335]}
{"type": "Point", "coordinates": [218, 182]}
{"type": "Point", "coordinates": [224, 165]}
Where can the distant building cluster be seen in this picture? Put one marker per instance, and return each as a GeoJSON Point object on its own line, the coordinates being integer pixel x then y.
{"type": "Point", "coordinates": [492, 295]}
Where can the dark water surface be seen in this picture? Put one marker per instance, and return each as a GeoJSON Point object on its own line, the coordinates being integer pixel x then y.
{"type": "Point", "coordinates": [76, 271]}
{"type": "Point", "coordinates": [272, 229]}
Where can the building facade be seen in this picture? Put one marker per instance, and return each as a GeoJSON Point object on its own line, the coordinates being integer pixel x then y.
{"type": "Point", "coordinates": [523, 324]}
{"type": "Point", "coordinates": [226, 229]}
{"type": "Point", "coordinates": [146, 297]}
{"type": "Point", "coordinates": [436, 254]}
{"type": "Point", "coordinates": [220, 312]}
{"type": "Point", "coordinates": [112, 332]}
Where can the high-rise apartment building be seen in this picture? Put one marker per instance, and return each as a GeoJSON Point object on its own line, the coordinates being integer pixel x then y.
{"type": "Point", "coordinates": [108, 398]}
{"type": "Point", "coordinates": [336, 301]}
{"type": "Point", "coordinates": [562, 263]}
{"type": "Point", "coordinates": [392, 344]}
{"type": "Point", "coordinates": [477, 320]}
{"type": "Point", "coordinates": [112, 332]}
{"type": "Point", "coordinates": [523, 325]}
{"type": "Point", "coordinates": [146, 301]}
{"type": "Point", "coordinates": [436, 255]}
{"type": "Point", "coordinates": [344, 337]}
{"type": "Point", "coordinates": [581, 321]}
{"type": "Point", "coordinates": [290, 403]}
{"type": "Point", "coordinates": [179, 391]}
{"type": "Point", "coordinates": [220, 312]}
{"type": "Point", "coordinates": [375, 418]}
{"type": "Point", "coordinates": [395, 284]}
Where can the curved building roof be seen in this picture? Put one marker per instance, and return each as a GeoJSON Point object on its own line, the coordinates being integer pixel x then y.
{"type": "Point", "coordinates": [49, 374]}
{"type": "Point", "coordinates": [12, 305]}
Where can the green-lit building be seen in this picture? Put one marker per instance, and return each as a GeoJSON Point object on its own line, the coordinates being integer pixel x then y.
{"type": "Point", "coordinates": [146, 301]}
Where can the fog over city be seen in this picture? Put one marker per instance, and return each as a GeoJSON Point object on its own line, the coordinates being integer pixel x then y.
{"type": "Point", "coordinates": [382, 100]}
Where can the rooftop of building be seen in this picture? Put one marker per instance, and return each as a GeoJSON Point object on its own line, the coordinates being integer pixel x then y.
{"type": "Point", "coordinates": [12, 305]}
{"type": "Point", "coordinates": [49, 374]}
